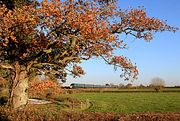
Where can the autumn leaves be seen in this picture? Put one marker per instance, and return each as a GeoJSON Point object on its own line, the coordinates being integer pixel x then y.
{"type": "Point", "coordinates": [61, 34]}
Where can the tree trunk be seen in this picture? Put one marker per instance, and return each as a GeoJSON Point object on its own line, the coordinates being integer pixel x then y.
{"type": "Point", "coordinates": [20, 93]}
{"type": "Point", "coordinates": [19, 89]}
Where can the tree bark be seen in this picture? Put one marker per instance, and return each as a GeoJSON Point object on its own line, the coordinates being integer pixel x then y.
{"type": "Point", "coordinates": [19, 89]}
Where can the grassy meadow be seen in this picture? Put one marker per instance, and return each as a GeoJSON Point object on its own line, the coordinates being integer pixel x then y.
{"type": "Point", "coordinates": [106, 105]}
{"type": "Point", "coordinates": [129, 102]}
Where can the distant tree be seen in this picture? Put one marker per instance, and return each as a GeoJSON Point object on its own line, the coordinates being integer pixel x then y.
{"type": "Point", "coordinates": [121, 85]}
{"type": "Point", "coordinates": [157, 83]}
{"type": "Point", "coordinates": [113, 85]}
{"type": "Point", "coordinates": [55, 36]}
{"type": "Point", "coordinates": [141, 86]}
{"type": "Point", "coordinates": [107, 85]}
{"type": "Point", "coordinates": [176, 86]}
{"type": "Point", "coordinates": [129, 85]}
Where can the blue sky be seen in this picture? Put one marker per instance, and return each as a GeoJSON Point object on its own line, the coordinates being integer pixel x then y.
{"type": "Point", "coordinates": [158, 58]}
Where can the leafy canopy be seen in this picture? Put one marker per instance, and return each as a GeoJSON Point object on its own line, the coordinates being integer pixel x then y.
{"type": "Point", "coordinates": [55, 36]}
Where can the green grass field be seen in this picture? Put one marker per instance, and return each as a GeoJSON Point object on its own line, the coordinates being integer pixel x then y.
{"type": "Point", "coordinates": [130, 102]}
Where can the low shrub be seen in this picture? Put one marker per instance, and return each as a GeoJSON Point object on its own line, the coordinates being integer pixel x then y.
{"type": "Point", "coordinates": [44, 89]}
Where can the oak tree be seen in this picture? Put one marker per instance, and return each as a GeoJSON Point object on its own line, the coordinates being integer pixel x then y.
{"type": "Point", "coordinates": [54, 36]}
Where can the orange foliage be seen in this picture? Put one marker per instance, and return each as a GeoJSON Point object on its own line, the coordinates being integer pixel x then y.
{"type": "Point", "coordinates": [57, 35]}
{"type": "Point", "coordinates": [44, 88]}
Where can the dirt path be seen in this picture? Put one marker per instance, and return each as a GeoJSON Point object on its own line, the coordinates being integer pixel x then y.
{"type": "Point", "coordinates": [38, 101]}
